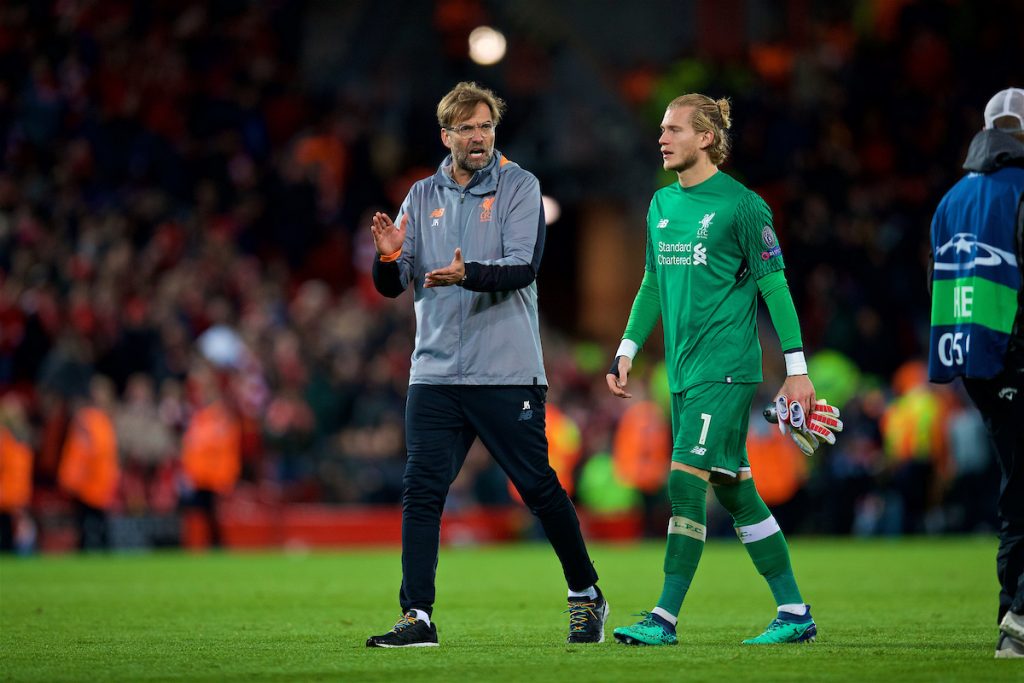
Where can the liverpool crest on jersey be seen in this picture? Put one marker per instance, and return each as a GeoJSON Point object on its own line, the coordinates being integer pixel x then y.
{"type": "Point", "coordinates": [705, 223]}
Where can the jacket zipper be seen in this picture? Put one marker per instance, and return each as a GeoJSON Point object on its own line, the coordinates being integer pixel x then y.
{"type": "Point", "coordinates": [462, 315]}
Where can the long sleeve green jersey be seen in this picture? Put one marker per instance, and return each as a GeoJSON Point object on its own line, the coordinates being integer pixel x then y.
{"type": "Point", "coordinates": [707, 245]}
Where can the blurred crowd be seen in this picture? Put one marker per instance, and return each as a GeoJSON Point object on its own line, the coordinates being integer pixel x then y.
{"type": "Point", "coordinates": [186, 312]}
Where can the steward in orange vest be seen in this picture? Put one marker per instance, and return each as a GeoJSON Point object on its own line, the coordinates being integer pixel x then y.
{"type": "Point", "coordinates": [15, 484]}
{"type": "Point", "coordinates": [212, 459]}
{"type": "Point", "coordinates": [89, 472]}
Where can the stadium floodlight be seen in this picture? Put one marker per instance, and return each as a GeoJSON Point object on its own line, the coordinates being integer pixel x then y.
{"type": "Point", "coordinates": [486, 45]}
{"type": "Point", "coordinates": [552, 209]}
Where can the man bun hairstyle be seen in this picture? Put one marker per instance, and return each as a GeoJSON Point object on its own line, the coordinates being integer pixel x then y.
{"type": "Point", "coordinates": [709, 116]}
{"type": "Point", "coordinates": [459, 103]}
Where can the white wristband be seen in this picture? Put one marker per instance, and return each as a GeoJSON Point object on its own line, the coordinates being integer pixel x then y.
{"type": "Point", "coordinates": [627, 348]}
{"type": "Point", "coordinates": [795, 363]}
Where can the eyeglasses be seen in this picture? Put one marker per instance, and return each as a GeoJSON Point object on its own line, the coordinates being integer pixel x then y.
{"type": "Point", "coordinates": [467, 130]}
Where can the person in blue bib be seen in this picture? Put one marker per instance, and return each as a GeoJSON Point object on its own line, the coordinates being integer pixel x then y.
{"type": "Point", "coordinates": [977, 322]}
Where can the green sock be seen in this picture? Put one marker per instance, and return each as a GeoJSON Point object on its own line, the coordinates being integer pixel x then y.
{"type": "Point", "coordinates": [762, 538]}
{"type": "Point", "coordinates": [686, 533]}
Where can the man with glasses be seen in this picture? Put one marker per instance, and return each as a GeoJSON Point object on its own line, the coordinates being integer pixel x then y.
{"type": "Point", "coordinates": [469, 240]}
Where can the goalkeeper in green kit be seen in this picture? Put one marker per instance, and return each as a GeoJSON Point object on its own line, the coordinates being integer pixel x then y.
{"type": "Point", "coordinates": [710, 250]}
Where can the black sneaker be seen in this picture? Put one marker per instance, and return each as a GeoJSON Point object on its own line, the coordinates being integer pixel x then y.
{"type": "Point", "coordinates": [408, 632]}
{"type": "Point", "coordinates": [586, 619]}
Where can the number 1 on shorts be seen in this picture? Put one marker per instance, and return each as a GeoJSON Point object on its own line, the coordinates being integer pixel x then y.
{"type": "Point", "coordinates": [704, 430]}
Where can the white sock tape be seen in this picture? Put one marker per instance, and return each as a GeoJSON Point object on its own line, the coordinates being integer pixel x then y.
{"type": "Point", "coordinates": [687, 527]}
{"type": "Point", "coordinates": [759, 531]}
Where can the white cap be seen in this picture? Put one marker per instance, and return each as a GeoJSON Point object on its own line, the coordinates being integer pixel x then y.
{"type": "Point", "coordinates": [1009, 102]}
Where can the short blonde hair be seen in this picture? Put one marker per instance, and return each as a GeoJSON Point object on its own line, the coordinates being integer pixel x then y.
{"type": "Point", "coordinates": [459, 103]}
{"type": "Point", "coordinates": [709, 116]}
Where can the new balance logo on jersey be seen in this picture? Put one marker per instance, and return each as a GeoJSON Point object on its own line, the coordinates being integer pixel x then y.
{"type": "Point", "coordinates": [705, 223]}
{"type": "Point", "coordinates": [663, 223]}
{"type": "Point", "coordinates": [527, 412]}
{"type": "Point", "coordinates": [698, 450]}
{"type": "Point", "coordinates": [700, 254]}
{"type": "Point", "coordinates": [1008, 393]}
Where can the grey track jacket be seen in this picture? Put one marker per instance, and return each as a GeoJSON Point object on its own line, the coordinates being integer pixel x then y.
{"type": "Point", "coordinates": [484, 332]}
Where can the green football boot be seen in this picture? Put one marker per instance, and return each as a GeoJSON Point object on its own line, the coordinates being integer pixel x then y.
{"type": "Point", "coordinates": [787, 628]}
{"type": "Point", "coordinates": [648, 631]}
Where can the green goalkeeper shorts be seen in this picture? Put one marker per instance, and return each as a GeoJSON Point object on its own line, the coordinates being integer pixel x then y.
{"type": "Point", "coordinates": [709, 427]}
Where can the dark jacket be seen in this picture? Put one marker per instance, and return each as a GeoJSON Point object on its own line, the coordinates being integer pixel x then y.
{"type": "Point", "coordinates": [975, 269]}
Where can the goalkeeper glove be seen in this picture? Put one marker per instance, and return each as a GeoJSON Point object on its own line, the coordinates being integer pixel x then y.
{"type": "Point", "coordinates": [825, 422]}
{"type": "Point", "coordinates": [791, 422]}
{"type": "Point", "coordinates": [807, 433]}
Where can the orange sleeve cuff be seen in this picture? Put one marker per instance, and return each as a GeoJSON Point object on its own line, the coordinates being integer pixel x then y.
{"type": "Point", "coordinates": [388, 258]}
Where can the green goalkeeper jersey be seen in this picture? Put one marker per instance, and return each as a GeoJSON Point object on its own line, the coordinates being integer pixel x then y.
{"type": "Point", "coordinates": [706, 247]}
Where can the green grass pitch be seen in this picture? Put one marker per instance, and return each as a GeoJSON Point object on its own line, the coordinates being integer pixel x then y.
{"type": "Point", "coordinates": [911, 610]}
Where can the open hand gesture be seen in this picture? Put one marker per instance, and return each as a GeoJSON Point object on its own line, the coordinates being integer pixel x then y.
{"type": "Point", "coordinates": [451, 274]}
{"type": "Point", "coordinates": [387, 236]}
